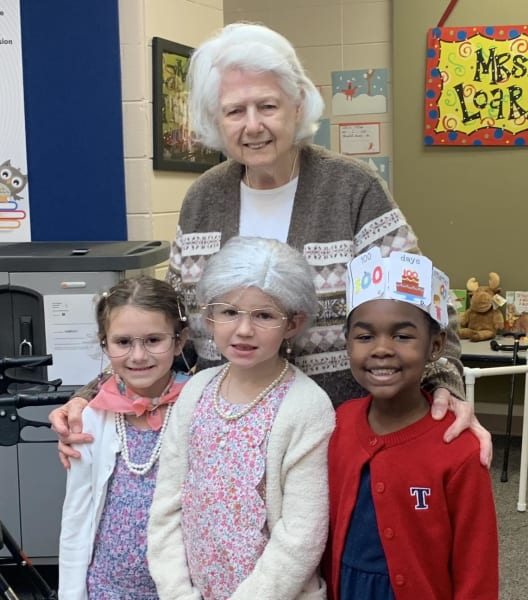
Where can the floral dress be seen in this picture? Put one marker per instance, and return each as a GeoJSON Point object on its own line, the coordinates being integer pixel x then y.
{"type": "Point", "coordinates": [119, 569]}
{"type": "Point", "coordinates": [223, 498]}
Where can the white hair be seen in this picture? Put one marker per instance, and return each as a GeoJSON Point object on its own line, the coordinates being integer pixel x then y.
{"type": "Point", "coordinates": [255, 48]}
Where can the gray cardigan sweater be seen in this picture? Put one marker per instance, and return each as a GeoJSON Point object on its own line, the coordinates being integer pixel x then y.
{"type": "Point", "coordinates": [341, 208]}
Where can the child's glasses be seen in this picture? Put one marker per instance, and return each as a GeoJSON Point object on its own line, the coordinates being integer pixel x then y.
{"type": "Point", "coordinates": [156, 343]}
{"type": "Point", "coordinates": [221, 312]}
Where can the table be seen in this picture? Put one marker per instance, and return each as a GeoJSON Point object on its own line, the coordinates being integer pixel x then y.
{"type": "Point", "coordinates": [481, 352]}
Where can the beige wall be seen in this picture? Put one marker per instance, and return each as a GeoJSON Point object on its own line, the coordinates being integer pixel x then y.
{"type": "Point", "coordinates": [154, 197]}
{"type": "Point", "coordinates": [466, 204]}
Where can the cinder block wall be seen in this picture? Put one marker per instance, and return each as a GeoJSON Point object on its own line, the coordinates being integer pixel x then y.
{"type": "Point", "coordinates": [154, 197]}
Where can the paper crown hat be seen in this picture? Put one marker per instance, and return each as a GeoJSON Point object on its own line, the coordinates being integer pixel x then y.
{"type": "Point", "coordinates": [400, 276]}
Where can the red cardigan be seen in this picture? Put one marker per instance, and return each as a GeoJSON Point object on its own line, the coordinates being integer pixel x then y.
{"type": "Point", "coordinates": [434, 506]}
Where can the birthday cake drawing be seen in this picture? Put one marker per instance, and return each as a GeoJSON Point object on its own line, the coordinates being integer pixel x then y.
{"type": "Point", "coordinates": [410, 284]}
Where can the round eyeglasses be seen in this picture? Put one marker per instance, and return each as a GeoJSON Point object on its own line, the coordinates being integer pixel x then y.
{"type": "Point", "coordinates": [221, 312]}
{"type": "Point", "coordinates": [156, 343]}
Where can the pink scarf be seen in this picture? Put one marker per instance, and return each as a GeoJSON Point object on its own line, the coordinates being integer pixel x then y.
{"type": "Point", "coordinates": [111, 398]}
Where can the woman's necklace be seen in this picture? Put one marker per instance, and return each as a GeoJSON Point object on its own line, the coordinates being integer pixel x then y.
{"type": "Point", "coordinates": [140, 468]}
{"type": "Point", "coordinates": [248, 180]}
{"type": "Point", "coordinates": [252, 404]}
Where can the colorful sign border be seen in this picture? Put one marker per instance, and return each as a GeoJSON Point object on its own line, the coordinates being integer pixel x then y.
{"type": "Point", "coordinates": [441, 129]}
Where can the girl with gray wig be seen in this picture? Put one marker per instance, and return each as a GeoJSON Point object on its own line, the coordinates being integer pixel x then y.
{"type": "Point", "coordinates": [241, 504]}
{"type": "Point", "coordinates": [273, 267]}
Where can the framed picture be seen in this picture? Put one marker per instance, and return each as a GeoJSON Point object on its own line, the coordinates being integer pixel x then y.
{"type": "Point", "coordinates": [174, 149]}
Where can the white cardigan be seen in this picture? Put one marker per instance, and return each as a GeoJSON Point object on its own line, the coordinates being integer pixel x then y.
{"type": "Point", "coordinates": [86, 487]}
{"type": "Point", "coordinates": [296, 498]}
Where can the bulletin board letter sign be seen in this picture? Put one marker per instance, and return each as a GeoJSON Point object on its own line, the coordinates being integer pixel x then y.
{"type": "Point", "coordinates": [476, 91]}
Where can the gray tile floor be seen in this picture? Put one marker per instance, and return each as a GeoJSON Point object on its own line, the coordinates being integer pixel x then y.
{"type": "Point", "coordinates": [513, 534]}
{"type": "Point", "coordinates": [513, 525]}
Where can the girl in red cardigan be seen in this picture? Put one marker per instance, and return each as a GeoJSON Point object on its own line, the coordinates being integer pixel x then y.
{"type": "Point", "coordinates": [410, 516]}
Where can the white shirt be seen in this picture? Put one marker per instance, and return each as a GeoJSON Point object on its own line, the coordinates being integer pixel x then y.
{"type": "Point", "coordinates": [267, 213]}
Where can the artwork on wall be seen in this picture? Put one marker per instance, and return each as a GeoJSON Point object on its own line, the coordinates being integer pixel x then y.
{"type": "Point", "coordinates": [476, 91]}
{"type": "Point", "coordinates": [174, 148]}
{"type": "Point", "coordinates": [379, 164]}
{"type": "Point", "coordinates": [359, 92]}
{"type": "Point", "coordinates": [359, 138]}
{"type": "Point", "coordinates": [322, 135]}
{"type": "Point", "coordinates": [14, 201]}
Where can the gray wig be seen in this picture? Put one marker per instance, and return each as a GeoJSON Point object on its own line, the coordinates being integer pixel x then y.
{"type": "Point", "coordinates": [269, 265]}
{"type": "Point", "coordinates": [248, 47]}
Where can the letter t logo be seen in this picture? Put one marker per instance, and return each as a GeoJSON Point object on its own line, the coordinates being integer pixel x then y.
{"type": "Point", "coordinates": [420, 494]}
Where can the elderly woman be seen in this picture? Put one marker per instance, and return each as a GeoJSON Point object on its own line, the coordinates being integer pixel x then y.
{"type": "Point", "coordinates": [251, 99]}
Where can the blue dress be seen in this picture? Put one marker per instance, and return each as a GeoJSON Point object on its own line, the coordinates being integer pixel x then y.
{"type": "Point", "coordinates": [119, 569]}
{"type": "Point", "coordinates": [364, 574]}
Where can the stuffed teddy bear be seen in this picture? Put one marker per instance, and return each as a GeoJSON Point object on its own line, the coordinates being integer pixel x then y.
{"type": "Point", "coordinates": [483, 319]}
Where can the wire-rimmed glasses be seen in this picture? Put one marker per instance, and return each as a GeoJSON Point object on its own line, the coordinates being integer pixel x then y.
{"type": "Point", "coordinates": [222, 312]}
{"type": "Point", "coordinates": [155, 343]}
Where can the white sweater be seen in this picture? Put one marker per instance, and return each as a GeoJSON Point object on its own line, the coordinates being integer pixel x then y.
{"type": "Point", "coordinates": [86, 489]}
{"type": "Point", "coordinates": [296, 498]}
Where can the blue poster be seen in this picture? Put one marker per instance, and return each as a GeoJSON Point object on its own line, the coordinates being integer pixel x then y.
{"type": "Point", "coordinates": [380, 164]}
{"type": "Point", "coordinates": [322, 136]}
{"type": "Point", "coordinates": [359, 92]}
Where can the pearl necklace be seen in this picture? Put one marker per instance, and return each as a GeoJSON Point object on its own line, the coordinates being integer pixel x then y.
{"type": "Point", "coordinates": [140, 468]}
{"type": "Point", "coordinates": [253, 403]}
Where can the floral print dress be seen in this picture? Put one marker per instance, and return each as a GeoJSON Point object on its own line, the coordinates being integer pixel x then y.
{"type": "Point", "coordinates": [223, 498]}
{"type": "Point", "coordinates": [119, 569]}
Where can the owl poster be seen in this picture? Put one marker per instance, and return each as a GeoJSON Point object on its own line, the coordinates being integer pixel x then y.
{"type": "Point", "coordinates": [14, 196]}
